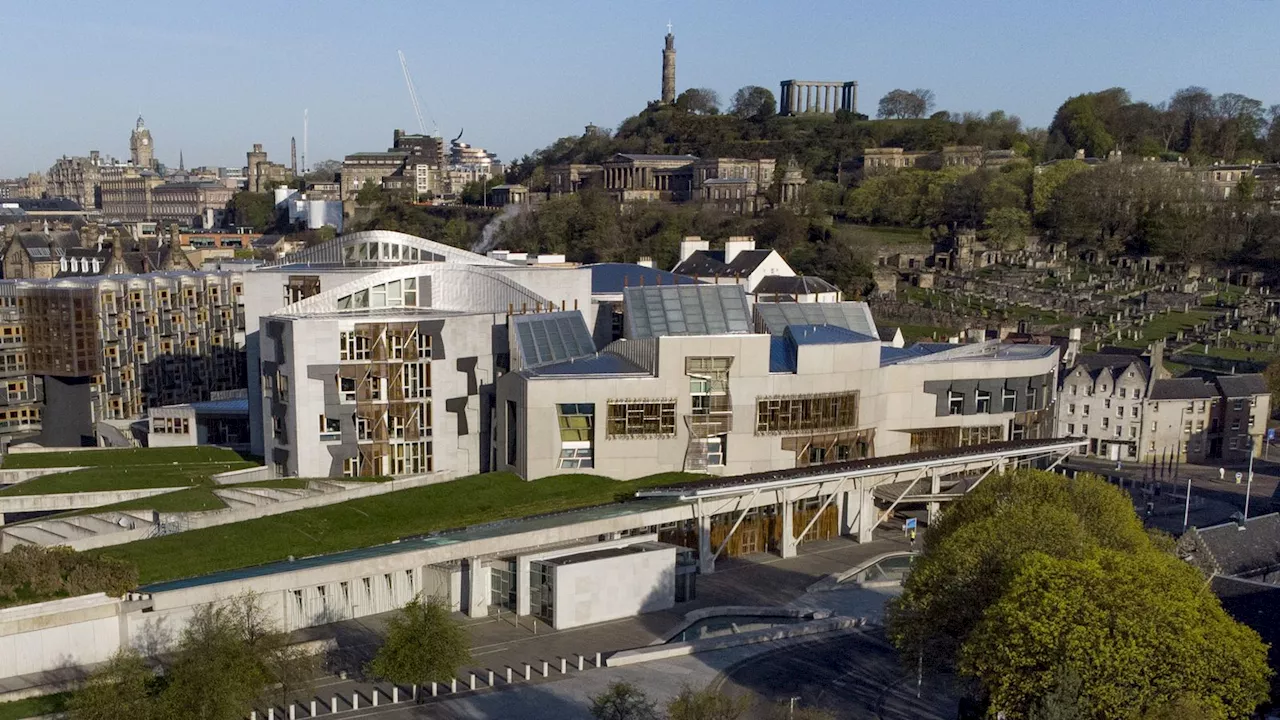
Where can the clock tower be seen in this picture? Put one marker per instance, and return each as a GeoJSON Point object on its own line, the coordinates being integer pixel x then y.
{"type": "Point", "coordinates": [141, 151]}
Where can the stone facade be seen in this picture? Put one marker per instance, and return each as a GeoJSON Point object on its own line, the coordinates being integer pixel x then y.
{"type": "Point", "coordinates": [127, 193]}
{"type": "Point", "coordinates": [192, 204]}
{"type": "Point", "coordinates": [141, 150]}
{"type": "Point", "coordinates": [669, 69]}
{"type": "Point", "coordinates": [263, 174]}
{"type": "Point", "coordinates": [737, 185]}
{"type": "Point", "coordinates": [78, 179]}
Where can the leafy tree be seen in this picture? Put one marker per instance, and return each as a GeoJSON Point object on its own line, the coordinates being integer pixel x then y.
{"type": "Point", "coordinates": [324, 171]}
{"type": "Point", "coordinates": [1272, 374]}
{"type": "Point", "coordinates": [622, 701]}
{"type": "Point", "coordinates": [1047, 180]}
{"type": "Point", "coordinates": [423, 644]}
{"type": "Point", "coordinates": [1080, 124]}
{"type": "Point", "coordinates": [255, 210]}
{"type": "Point", "coordinates": [31, 573]}
{"type": "Point", "coordinates": [1137, 628]}
{"type": "Point", "coordinates": [123, 689]}
{"type": "Point", "coordinates": [371, 194]}
{"type": "Point", "coordinates": [901, 104]}
{"type": "Point", "coordinates": [1006, 228]}
{"type": "Point", "coordinates": [216, 674]}
{"type": "Point", "coordinates": [699, 101]}
{"type": "Point", "coordinates": [753, 102]}
{"type": "Point", "coordinates": [707, 704]}
{"type": "Point", "coordinates": [926, 97]}
{"type": "Point", "coordinates": [1062, 701]}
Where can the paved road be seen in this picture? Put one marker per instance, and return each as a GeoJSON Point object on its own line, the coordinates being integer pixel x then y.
{"type": "Point", "coordinates": [853, 677]}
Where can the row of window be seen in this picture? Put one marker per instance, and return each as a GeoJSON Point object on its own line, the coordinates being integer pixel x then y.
{"type": "Point", "coordinates": [171, 425]}
{"type": "Point", "coordinates": [358, 345]}
{"type": "Point", "coordinates": [827, 411]}
{"type": "Point", "coordinates": [1088, 390]}
{"type": "Point", "coordinates": [1008, 401]}
{"type": "Point", "coordinates": [1133, 410]}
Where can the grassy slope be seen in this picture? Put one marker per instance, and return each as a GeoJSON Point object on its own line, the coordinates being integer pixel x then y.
{"type": "Point", "coordinates": [123, 469]}
{"type": "Point", "coordinates": [34, 707]}
{"type": "Point", "coordinates": [370, 521]}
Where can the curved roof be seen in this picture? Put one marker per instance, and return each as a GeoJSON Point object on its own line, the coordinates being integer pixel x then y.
{"type": "Point", "coordinates": [427, 286]}
{"type": "Point", "coordinates": [382, 248]}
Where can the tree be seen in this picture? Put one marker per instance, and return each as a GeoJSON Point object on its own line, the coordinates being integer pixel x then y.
{"type": "Point", "coordinates": [753, 102]}
{"type": "Point", "coordinates": [216, 673]}
{"type": "Point", "coordinates": [926, 98]}
{"type": "Point", "coordinates": [1137, 628]}
{"type": "Point", "coordinates": [622, 701]}
{"type": "Point", "coordinates": [901, 104]}
{"type": "Point", "coordinates": [1080, 124]}
{"type": "Point", "coordinates": [1006, 228]}
{"type": "Point", "coordinates": [371, 194]}
{"type": "Point", "coordinates": [255, 210]}
{"type": "Point", "coordinates": [707, 704]}
{"type": "Point", "coordinates": [324, 171]}
{"type": "Point", "coordinates": [423, 644]}
{"type": "Point", "coordinates": [699, 101]}
{"type": "Point", "coordinates": [123, 689]}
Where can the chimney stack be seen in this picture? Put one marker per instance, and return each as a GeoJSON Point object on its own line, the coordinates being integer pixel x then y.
{"type": "Point", "coordinates": [691, 244]}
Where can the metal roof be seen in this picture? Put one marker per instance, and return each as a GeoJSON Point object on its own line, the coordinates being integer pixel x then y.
{"type": "Point", "coordinates": [774, 318]}
{"type": "Point", "coordinates": [602, 364]}
{"type": "Point", "coordinates": [613, 278]}
{"type": "Point", "coordinates": [548, 338]}
{"type": "Point", "coordinates": [685, 310]}
{"type": "Point", "coordinates": [776, 479]}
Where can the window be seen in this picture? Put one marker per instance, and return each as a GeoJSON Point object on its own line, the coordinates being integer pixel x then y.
{"type": "Point", "coordinates": [716, 450]}
{"type": "Point", "coordinates": [984, 401]}
{"type": "Point", "coordinates": [1084, 429]}
{"type": "Point", "coordinates": [1186, 428]}
{"type": "Point", "coordinates": [1073, 390]}
{"type": "Point", "coordinates": [282, 387]}
{"type": "Point", "coordinates": [1107, 403]}
{"type": "Point", "coordinates": [347, 389]}
{"type": "Point", "coordinates": [981, 435]}
{"type": "Point", "coordinates": [1071, 429]}
{"type": "Point", "coordinates": [1123, 392]}
{"type": "Point", "coordinates": [1200, 426]}
{"type": "Point", "coordinates": [955, 403]}
{"type": "Point", "coordinates": [1133, 432]}
{"type": "Point", "coordinates": [577, 426]}
{"type": "Point", "coordinates": [1071, 409]}
{"type": "Point", "coordinates": [277, 427]}
{"type": "Point", "coordinates": [1133, 411]}
{"type": "Point", "coordinates": [364, 429]}
{"type": "Point", "coordinates": [1119, 431]}
{"type": "Point", "coordinates": [330, 429]}
{"type": "Point", "coordinates": [1235, 424]}
{"type": "Point", "coordinates": [353, 346]}
{"type": "Point", "coordinates": [1233, 443]}
{"type": "Point", "coordinates": [1105, 423]}
{"type": "Point", "coordinates": [1086, 410]}
{"type": "Point", "coordinates": [1137, 394]}
{"type": "Point", "coordinates": [170, 425]}
{"type": "Point", "coordinates": [1237, 404]}
{"type": "Point", "coordinates": [641, 418]}
{"type": "Point", "coordinates": [1009, 400]}
{"type": "Point", "coordinates": [799, 413]}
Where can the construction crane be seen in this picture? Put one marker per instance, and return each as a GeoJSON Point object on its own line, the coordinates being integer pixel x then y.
{"type": "Point", "coordinates": [413, 94]}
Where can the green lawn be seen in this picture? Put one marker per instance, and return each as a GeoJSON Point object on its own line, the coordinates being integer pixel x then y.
{"type": "Point", "coordinates": [34, 707]}
{"type": "Point", "coordinates": [1164, 325]}
{"type": "Point", "coordinates": [192, 499]}
{"type": "Point", "coordinates": [371, 521]}
{"type": "Point", "coordinates": [880, 236]}
{"type": "Point", "coordinates": [124, 469]}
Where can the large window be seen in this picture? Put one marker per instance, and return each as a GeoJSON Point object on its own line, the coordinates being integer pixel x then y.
{"type": "Point", "coordinates": [716, 447]}
{"type": "Point", "coordinates": [828, 411]}
{"type": "Point", "coordinates": [577, 426]}
{"type": "Point", "coordinates": [353, 346]}
{"type": "Point", "coordinates": [641, 418]}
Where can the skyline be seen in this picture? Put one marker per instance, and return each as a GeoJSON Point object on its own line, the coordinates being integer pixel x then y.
{"type": "Point", "coordinates": [217, 79]}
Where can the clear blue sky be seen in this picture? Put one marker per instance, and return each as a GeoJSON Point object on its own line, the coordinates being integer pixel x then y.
{"type": "Point", "coordinates": [211, 78]}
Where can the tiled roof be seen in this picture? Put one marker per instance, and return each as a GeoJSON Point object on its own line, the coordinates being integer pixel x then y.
{"type": "Point", "coordinates": [1242, 549]}
{"type": "Point", "coordinates": [1234, 386]}
{"type": "Point", "coordinates": [1187, 388]}
{"type": "Point", "coordinates": [710, 263]}
{"type": "Point", "coordinates": [793, 285]}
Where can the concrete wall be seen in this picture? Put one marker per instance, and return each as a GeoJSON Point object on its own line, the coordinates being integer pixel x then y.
{"type": "Point", "coordinates": [73, 501]}
{"type": "Point", "coordinates": [235, 477]}
{"type": "Point", "coordinates": [13, 477]}
{"type": "Point", "coordinates": [614, 587]}
{"type": "Point", "coordinates": [59, 634]}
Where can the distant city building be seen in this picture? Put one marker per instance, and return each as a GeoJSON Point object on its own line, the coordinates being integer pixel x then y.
{"type": "Point", "coordinates": [31, 187]}
{"type": "Point", "coordinates": [737, 185]}
{"type": "Point", "coordinates": [416, 167]}
{"type": "Point", "coordinates": [196, 204]}
{"type": "Point", "coordinates": [78, 179]}
{"type": "Point", "coordinates": [806, 96]}
{"type": "Point", "coordinates": [888, 159]}
{"type": "Point", "coordinates": [141, 149]}
{"type": "Point", "coordinates": [261, 174]}
{"type": "Point", "coordinates": [127, 192]}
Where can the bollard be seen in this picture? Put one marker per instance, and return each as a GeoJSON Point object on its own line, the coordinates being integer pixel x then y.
{"type": "Point", "coordinates": [563, 668]}
{"type": "Point", "coordinates": [544, 668]}
{"type": "Point", "coordinates": [333, 706]}
{"type": "Point", "coordinates": [355, 701]}
{"type": "Point", "coordinates": [453, 685]}
{"type": "Point", "coordinates": [527, 671]}
{"type": "Point", "coordinates": [597, 659]}
{"type": "Point", "coordinates": [508, 674]}
{"type": "Point", "coordinates": [433, 689]}
{"type": "Point", "coordinates": [395, 694]}
{"type": "Point", "coordinates": [473, 681]}
{"type": "Point", "coordinates": [271, 713]}
{"type": "Point", "coordinates": [313, 708]}
{"type": "Point", "coordinates": [375, 697]}
{"type": "Point", "coordinates": [490, 678]}
{"type": "Point", "coordinates": [580, 661]}
{"type": "Point", "coordinates": [293, 711]}
{"type": "Point", "coordinates": [415, 691]}
{"type": "Point", "coordinates": [253, 715]}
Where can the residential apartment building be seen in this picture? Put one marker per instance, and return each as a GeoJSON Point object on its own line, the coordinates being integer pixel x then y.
{"type": "Point", "coordinates": [1130, 408]}
{"type": "Point", "coordinates": [105, 348]}
{"type": "Point", "coordinates": [78, 178]}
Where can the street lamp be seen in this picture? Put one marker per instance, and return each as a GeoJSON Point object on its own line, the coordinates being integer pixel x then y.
{"type": "Point", "coordinates": [1248, 486]}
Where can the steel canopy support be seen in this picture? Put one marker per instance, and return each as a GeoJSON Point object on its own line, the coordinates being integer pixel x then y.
{"type": "Point", "coordinates": [741, 516]}
{"type": "Point", "coordinates": [885, 515]}
{"type": "Point", "coordinates": [813, 520]}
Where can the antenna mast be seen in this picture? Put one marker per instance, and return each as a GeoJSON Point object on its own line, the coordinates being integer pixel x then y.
{"type": "Point", "coordinates": [413, 94]}
{"type": "Point", "coordinates": [304, 141]}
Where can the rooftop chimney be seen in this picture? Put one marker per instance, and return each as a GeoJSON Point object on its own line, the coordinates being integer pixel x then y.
{"type": "Point", "coordinates": [737, 244]}
{"type": "Point", "coordinates": [690, 245]}
{"type": "Point", "coordinates": [645, 262]}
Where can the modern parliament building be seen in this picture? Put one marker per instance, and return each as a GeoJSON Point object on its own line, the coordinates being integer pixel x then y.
{"type": "Point", "coordinates": [380, 353]}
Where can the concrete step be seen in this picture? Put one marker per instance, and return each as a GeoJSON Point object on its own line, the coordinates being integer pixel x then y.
{"type": "Point", "coordinates": [34, 535]}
